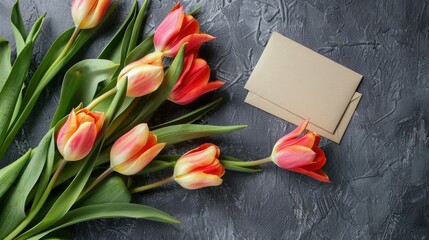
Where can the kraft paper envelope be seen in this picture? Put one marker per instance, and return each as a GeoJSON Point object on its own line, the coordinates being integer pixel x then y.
{"type": "Point", "coordinates": [294, 82]}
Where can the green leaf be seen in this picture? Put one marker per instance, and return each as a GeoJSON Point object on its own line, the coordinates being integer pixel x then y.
{"type": "Point", "coordinates": [190, 117]}
{"type": "Point", "coordinates": [47, 171]}
{"type": "Point", "coordinates": [11, 90]}
{"type": "Point", "coordinates": [112, 51]}
{"type": "Point", "coordinates": [234, 164]}
{"type": "Point", "coordinates": [14, 208]}
{"type": "Point", "coordinates": [35, 30]}
{"type": "Point", "coordinates": [5, 65]}
{"type": "Point", "coordinates": [60, 234]}
{"type": "Point", "coordinates": [157, 165]}
{"type": "Point", "coordinates": [110, 210]}
{"type": "Point", "coordinates": [127, 38]}
{"type": "Point", "coordinates": [141, 50]}
{"type": "Point", "coordinates": [137, 25]}
{"type": "Point", "coordinates": [18, 27]}
{"type": "Point", "coordinates": [9, 173]}
{"type": "Point", "coordinates": [111, 190]}
{"type": "Point", "coordinates": [180, 133]}
{"type": "Point", "coordinates": [80, 84]}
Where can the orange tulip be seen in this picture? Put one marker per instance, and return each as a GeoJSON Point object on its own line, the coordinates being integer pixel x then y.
{"type": "Point", "coordinates": [134, 150]}
{"type": "Point", "coordinates": [199, 168]}
{"type": "Point", "coordinates": [176, 29]}
{"type": "Point", "coordinates": [144, 75]}
{"type": "Point", "coordinates": [77, 136]}
{"type": "Point", "coordinates": [194, 81]}
{"type": "Point", "coordinates": [301, 153]}
{"type": "Point", "coordinates": [88, 13]}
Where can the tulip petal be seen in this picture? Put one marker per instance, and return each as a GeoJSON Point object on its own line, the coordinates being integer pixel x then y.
{"type": "Point", "coordinates": [293, 156]}
{"type": "Point", "coordinates": [189, 26]}
{"type": "Point", "coordinates": [198, 180]}
{"type": "Point", "coordinates": [187, 64]}
{"type": "Point", "coordinates": [66, 131]}
{"type": "Point", "coordinates": [129, 145]}
{"type": "Point", "coordinates": [168, 28]}
{"type": "Point", "coordinates": [295, 133]}
{"type": "Point", "coordinates": [318, 162]}
{"type": "Point", "coordinates": [319, 174]}
{"type": "Point", "coordinates": [144, 80]}
{"type": "Point", "coordinates": [81, 142]}
{"type": "Point", "coordinates": [193, 40]}
{"type": "Point", "coordinates": [81, 9]}
{"type": "Point", "coordinates": [199, 157]}
{"type": "Point", "coordinates": [136, 165]}
{"type": "Point", "coordinates": [197, 92]}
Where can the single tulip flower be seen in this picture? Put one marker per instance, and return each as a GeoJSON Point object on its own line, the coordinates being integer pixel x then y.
{"type": "Point", "coordinates": [144, 75]}
{"type": "Point", "coordinates": [175, 30]}
{"type": "Point", "coordinates": [194, 81]}
{"type": "Point", "coordinates": [77, 136]}
{"type": "Point", "coordinates": [88, 13]}
{"type": "Point", "coordinates": [134, 150]}
{"type": "Point", "coordinates": [199, 168]}
{"type": "Point", "coordinates": [300, 153]}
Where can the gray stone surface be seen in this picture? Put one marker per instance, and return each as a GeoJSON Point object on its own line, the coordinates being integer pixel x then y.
{"type": "Point", "coordinates": [380, 171]}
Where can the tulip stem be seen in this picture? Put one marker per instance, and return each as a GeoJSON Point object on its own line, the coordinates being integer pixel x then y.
{"type": "Point", "coordinates": [95, 182]}
{"type": "Point", "coordinates": [101, 98]}
{"type": "Point", "coordinates": [252, 163]}
{"type": "Point", "coordinates": [152, 185]}
{"type": "Point", "coordinates": [39, 204]}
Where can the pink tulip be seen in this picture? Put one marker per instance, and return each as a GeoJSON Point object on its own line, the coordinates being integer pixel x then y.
{"type": "Point", "coordinates": [176, 29]}
{"type": "Point", "coordinates": [300, 153]}
{"type": "Point", "coordinates": [88, 13]}
{"type": "Point", "coordinates": [199, 168]}
{"type": "Point", "coordinates": [134, 150]}
{"type": "Point", "coordinates": [194, 81]}
{"type": "Point", "coordinates": [144, 75]}
{"type": "Point", "coordinates": [77, 136]}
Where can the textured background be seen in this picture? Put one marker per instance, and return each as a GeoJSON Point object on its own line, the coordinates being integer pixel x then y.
{"type": "Point", "coordinates": [380, 171]}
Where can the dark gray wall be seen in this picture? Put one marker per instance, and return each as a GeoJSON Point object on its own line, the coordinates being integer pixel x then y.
{"type": "Point", "coordinates": [380, 171]}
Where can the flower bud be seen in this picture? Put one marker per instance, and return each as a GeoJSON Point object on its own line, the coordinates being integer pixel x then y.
{"type": "Point", "coordinates": [301, 153]}
{"type": "Point", "coordinates": [193, 81]}
{"type": "Point", "coordinates": [77, 136]}
{"type": "Point", "coordinates": [199, 168]}
{"type": "Point", "coordinates": [134, 150]}
{"type": "Point", "coordinates": [176, 29]}
{"type": "Point", "coordinates": [144, 75]}
{"type": "Point", "coordinates": [88, 13]}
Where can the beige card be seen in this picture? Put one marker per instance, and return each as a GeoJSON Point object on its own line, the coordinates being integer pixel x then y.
{"type": "Point", "coordinates": [295, 83]}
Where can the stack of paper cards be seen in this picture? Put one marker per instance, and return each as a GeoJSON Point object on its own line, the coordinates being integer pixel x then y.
{"type": "Point", "coordinates": [294, 83]}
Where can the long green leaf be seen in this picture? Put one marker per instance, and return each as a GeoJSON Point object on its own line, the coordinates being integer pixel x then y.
{"type": "Point", "coordinates": [35, 30]}
{"type": "Point", "coordinates": [137, 26]}
{"type": "Point", "coordinates": [110, 210]}
{"type": "Point", "coordinates": [18, 27]}
{"type": "Point", "coordinates": [5, 65]}
{"type": "Point", "coordinates": [111, 190]}
{"type": "Point", "coordinates": [230, 163]}
{"type": "Point", "coordinates": [192, 116]}
{"type": "Point", "coordinates": [112, 51]}
{"type": "Point", "coordinates": [80, 84]}
{"type": "Point", "coordinates": [13, 210]}
{"type": "Point", "coordinates": [10, 173]}
{"type": "Point", "coordinates": [11, 89]}
{"type": "Point", "coordinates": [47, 171]}
{"type": "Point", "coordinates": [127, 38]}
{"type": "Point", "coordinates": [180, 133]}
{"type": "Point", "coordinates": [144, 48]}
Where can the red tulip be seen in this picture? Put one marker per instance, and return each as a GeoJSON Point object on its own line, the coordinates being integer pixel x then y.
{"type": "Point", "coordinates": [199, 168]}
{"type": "Point", "coordinates": [194, 81]}
{"type": "Point", "coordinates": [176, 29]}
{"type": "Point", "coordinates": [300, 153]}
{"type": "Point", "coordinates": [77, 136]}
{"type": "Point", "coordinates": [134, 150]}
{"type": "Point", "coordinates": [88, 13]}
{"type": "Point", "coordinates": [144, 75]}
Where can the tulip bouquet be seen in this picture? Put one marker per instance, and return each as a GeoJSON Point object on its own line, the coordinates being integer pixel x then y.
{"type": "Point", "coordinates": [101, 134]}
